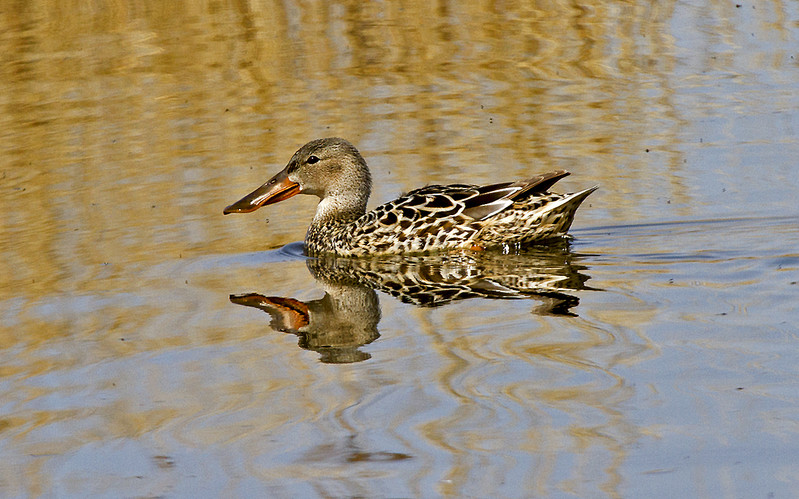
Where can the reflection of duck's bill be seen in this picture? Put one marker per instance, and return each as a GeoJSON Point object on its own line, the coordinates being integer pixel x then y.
{"type": "Point", "coordinates": [293, 313]}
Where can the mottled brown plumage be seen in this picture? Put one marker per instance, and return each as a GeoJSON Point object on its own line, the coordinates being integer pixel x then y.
{"type": "Point", "coordinates": [436, 217]}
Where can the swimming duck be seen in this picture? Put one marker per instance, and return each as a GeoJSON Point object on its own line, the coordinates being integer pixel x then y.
{"type": "Point", "coordinates": [432, 218]}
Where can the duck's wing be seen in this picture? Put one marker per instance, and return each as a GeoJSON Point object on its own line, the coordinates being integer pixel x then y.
{"type": "Point", "coordinates": [473, 201]}
{"type": "Point", "coordinates": [489, 200]}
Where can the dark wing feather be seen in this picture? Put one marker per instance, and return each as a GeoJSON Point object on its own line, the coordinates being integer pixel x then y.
{"type": "Point", "coordinates": [538, 184]}
{"type": "Point", "coordinates": [437, 189]}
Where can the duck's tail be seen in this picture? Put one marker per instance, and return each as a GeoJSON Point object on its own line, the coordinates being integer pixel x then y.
{"type": "Point", "coordinates": [560, 214]}
{"type": "Point", "coordinates": [540, 217]}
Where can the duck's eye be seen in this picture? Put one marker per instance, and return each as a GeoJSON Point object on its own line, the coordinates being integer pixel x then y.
{"type": "Point", "coordinates": [312, 160]}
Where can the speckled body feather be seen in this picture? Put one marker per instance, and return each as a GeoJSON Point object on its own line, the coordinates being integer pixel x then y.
{"type": "Point", "coordinates": [439, 217]}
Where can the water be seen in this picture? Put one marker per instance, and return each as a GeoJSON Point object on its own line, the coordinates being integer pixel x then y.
{"type": "Point", "coordinates": [655, 351]}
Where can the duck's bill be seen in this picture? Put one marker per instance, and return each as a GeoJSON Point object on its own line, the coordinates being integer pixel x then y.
{"type": "Point", "coordinates": [278, 188]}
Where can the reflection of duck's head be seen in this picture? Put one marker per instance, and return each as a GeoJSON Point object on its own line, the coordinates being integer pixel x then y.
{"type": "Point", "coordinates": [335, 326]}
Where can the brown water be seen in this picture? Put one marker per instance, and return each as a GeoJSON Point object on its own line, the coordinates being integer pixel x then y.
{"type": "Point", "coordinates": [656, 352]}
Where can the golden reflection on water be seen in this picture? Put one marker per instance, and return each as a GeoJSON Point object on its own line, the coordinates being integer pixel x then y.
{"type": "Point", "coordinates": [157, 113]}
{"type": "Point", "coordinates": [126, 127]}
{"type": "Point", "coordinates": [171, 110]}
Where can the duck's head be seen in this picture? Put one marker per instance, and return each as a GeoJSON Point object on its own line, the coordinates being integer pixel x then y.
{"type": "Point", "coordinates": [329, 168]}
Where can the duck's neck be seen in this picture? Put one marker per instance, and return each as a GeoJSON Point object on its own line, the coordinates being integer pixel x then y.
{"type": "Point", "coordinates": [329, 229]}
{"type": "Point", "coordinates": [337, 210]}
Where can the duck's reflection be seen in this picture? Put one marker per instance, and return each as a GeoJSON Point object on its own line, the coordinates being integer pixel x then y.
{"type": "Point", "coordinates": [346, 318]}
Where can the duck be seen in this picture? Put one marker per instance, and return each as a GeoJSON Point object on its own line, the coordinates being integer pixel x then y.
{"type": "Point", "coordinates": [428, 219]}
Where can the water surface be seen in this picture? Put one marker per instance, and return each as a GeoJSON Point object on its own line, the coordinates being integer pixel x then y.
{"type": "Point", "coordinates": [656, 350]}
